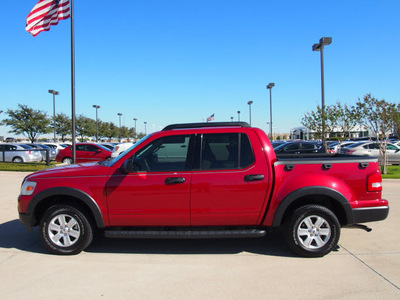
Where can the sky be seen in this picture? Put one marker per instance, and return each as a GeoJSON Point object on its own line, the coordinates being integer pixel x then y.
{"type": "Point", "coordinates": [180, 61]}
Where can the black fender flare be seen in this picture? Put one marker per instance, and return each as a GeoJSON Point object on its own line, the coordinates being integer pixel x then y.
{"type": "Point", "coordinates": [338, 197]}
{"type": "Point", "coordinates": [67, 191]}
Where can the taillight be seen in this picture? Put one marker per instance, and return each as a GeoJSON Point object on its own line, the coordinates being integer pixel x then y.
{"type": "Point", "coordinates": [29, 152]}
{"type": "Point", "coordinates": [374, 182]}
{"type": "Point", "coordinates": [350, 151]}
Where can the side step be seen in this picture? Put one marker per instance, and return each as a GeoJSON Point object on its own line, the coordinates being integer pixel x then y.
{"type": "Point", "coordinates": [184, 234]}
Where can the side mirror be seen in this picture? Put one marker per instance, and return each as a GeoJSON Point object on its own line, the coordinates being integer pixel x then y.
{"type": "Point", "coordinates": [127, 166]}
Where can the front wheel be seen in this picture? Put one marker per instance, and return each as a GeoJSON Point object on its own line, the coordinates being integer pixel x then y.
{"type": "Point", "coordinates": [65, 230]}
{"type": "Point", "coordinates": [68, 161]}
{"type": "Point", "coordinates": [312, 231]}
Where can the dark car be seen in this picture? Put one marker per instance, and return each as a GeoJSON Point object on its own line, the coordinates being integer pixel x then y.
{"type": "Point", "coordinates": [85, 152]}
{"type": "Point", "coordinates": [301, 147]}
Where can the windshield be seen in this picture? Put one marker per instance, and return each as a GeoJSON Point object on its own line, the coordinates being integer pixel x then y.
{"type": "Point", "coordinates": [113, 161]}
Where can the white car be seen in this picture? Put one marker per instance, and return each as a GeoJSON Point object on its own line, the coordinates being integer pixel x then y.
{"type": "Point", "coordinates": [372, 149]}
{"type": "Point", "coordinates": [19, 153]}
{"type": "Point", "coordinates": [118, 149]}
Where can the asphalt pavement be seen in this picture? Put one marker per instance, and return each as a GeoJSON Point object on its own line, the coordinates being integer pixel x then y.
{"type": "Point", "coordinates": [364, 266]}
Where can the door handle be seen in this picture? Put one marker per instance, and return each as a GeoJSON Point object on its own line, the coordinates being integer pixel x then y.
{"type": "Point", "coordinates": [256, 177]}
{"type": "Point", "coordinates": [175, 180]}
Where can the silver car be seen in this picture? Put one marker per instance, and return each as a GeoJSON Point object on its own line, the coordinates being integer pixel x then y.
{"type": "Point", "coordinates": [372, 149]}
{"type": "Point", "coordinates": [52, 152]}
{"type": "Point", "coordinates": [18, 153]}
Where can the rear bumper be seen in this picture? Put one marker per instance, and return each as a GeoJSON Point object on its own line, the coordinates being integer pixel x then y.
{"type": "Point", "coordinates": [370, 214]}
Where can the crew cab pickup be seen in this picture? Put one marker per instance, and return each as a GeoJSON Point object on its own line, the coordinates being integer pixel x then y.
{"type": "Point", "coordinates": [204, 180]}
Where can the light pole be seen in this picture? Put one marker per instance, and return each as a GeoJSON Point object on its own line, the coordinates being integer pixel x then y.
{"type": "Point", "coordinates": [269, 87]}
{"type": "Point", "coordinates": [320, 47]}
{"type": "Point", "coordinates": [54, 111]}
{"type": "Point", "coordinates": [239, 115]}
{"type": "Point", "coordinates": [145, 128]}
{"type": "Point", "coordinates": [97, 123]}
{"type": "Point", "coordinates": [134, 119]}
{"type": "Point", "coordinates": [120, 135]}
{"type": "Point", "coordinates": [250, 103]}
{"type": "Point", "coordinates": [231, 119]}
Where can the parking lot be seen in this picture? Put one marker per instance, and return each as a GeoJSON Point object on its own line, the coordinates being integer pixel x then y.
{"type": "Point", "coordinates": [364, 266]}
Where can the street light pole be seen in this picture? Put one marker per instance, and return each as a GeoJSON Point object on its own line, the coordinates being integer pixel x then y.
{"type": "Point", "coordinates": [145, 128]}
{"type": "Point", "coordinates": [120, 135]}
{"type": "Point", "coordinates": [270, 86]}
{"type": "Point", "coordinates": [239, 115]}
{"type": "Point", "coordinates": [54, 111]}
{"type": "Point", "coordinates": [97, 123]}
{"type": "Point", "coordinates": [320, 47]}
{"type": "Point", "coordinates": [134, 119]}
{"type": "Point", "coordinates": [250, 103]}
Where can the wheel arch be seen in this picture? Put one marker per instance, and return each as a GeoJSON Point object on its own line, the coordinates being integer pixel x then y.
{"type": "Point", "coordinates": [65, 195]}
{"type": "Point", "coordinates": [323, 196]}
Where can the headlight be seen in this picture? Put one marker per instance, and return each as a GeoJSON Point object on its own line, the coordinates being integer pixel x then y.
{"type": "Point", "coordinates": [28, 187]}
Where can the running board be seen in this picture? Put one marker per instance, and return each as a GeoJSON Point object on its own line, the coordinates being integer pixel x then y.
{"type": "Point", "coordinates": [184, 234]}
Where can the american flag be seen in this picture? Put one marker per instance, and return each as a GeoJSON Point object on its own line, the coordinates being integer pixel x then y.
{"type": "Point", "coordinates": [45, 14]}
{"type": "Point", "coordinates": [210, 118]}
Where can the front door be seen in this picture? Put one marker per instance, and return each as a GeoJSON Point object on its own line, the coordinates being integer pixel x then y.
{"type": "Point", "coordinates": [158, 192]}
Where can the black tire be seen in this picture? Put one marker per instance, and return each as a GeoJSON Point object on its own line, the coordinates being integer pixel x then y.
{"type": "Point", "coordinates": [312, 231]}
{"type": "Point", "coordinates": [17, 159]}
{"type": "Point", "coordinates": [68, 161]}
{"type": "Point", "coordinates": [65, 230]}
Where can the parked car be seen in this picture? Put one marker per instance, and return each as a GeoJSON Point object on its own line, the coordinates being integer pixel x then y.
{"type": "Point", "coordinates": [85, 152]}
{"type": "Point", "coordinates": [10, 140]}
{"type": "Point", "coordinates": [55, 146]}
{"type": "Point", "coordinates": [277, 143]}
{"type": "Point", "coordinates": [372, 149]}
{"type": "Point", "coordinates": [335, 147]}
{"type": "Point", "coordinates": [52, 152]}
{"type": "Point", "coordinates": [119, 148]}
{"type": "Point", "coordinates": [109, 146]}
{"type": "Point", "coordinates": [204, 180]}
{"type": "Point", "coordinates": [301, 147]}
{"type": "Point", "coordinates": [18, 153]}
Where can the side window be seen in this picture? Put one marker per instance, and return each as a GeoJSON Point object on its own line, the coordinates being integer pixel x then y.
{"type": "Point", "coordinates": [292, 147]}
{"type": "Point", "coordinates": [166, 154]}
{"type": "Point", "coordinates": [225, 151]}
{"type": "Point", "coordinates": [307, 146]}
{"type": "Point", "coordinates": [391, 147]}
{"type": "Point", "coordinates": [80, 148]}
{"type": "Point", "coordinates": [92, 148]}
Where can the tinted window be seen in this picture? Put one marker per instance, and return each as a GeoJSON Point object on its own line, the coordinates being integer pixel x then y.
{"type": "Point", "coordinates": [92, 148]}
{"type": "Point", "coordinates": [225, 151]}
{"type": "Point", "coordinates": [163, 155]}
{"type": "Point", "coordinates": [308, 146]}
{"type": "Point", "coordinates": [80, 148]}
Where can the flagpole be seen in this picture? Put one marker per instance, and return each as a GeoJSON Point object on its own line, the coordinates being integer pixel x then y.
{"type": "Point", "coordinates": [73, 81]}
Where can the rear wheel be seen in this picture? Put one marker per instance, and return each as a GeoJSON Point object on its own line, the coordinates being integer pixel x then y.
{"type": "Point", "coordinates": [17, 159]}
{"type": "Point", "coordinates": [312, 231]}
{"type": "Point", "coordinates": [65, 230]}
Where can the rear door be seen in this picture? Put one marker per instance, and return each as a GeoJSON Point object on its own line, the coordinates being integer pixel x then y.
{"type": "Point", "coordinates": [228, 186]}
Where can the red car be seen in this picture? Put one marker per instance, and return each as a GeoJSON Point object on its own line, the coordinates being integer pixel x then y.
{"type": "Point", "coordinates": [85, 152]}
{"type": "Point", "coordinates": [204, 180]}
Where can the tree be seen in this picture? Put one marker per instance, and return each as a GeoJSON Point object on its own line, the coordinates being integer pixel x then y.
{"type": "Point", "coordinates": [346, 118]}
{"type": "Point", "coordinates": [397, 120]}
{"type": "Point", "coordinates": [108, 130]}
{"type": "Point", "coordinates": [85, 127]}
{"type": "Point", "coordinates": [27, 121]}
{"type": "Point", "coordinates": [313, 120]}
{"type": "Point", "coordinates": [379, 117]}
{"type": "Point", "coordinates": [63, 126]}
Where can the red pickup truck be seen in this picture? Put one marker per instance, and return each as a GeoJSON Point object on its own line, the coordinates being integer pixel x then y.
{"type": "Point", "coordinates": [204, 180]}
